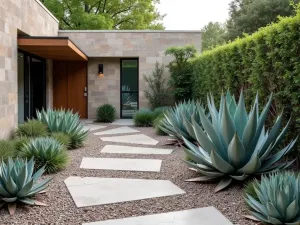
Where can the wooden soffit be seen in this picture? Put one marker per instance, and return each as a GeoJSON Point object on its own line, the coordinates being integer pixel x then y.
{"type": "Point", "coordinates": [56, 48]}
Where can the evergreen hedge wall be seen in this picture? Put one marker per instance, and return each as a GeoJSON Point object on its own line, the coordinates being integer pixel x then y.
{"type": "Point", "coordinates": [267, 61]}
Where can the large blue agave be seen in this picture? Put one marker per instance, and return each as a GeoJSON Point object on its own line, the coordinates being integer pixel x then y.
{"type": "Point", "coordinates": [234, 144]}
{"type": "Point", "coordinates": [275, 199]}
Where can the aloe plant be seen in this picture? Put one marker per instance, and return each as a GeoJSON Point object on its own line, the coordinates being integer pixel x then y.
{"type": "Point", "coordinates": [275, 199]}
{"type": "Point", "coordinates": [66, 122]}
{"type": "Point", "coordinates": [234, 144]}
{"type": "Point", "coordinates": [177, 120]}
{"type": "Point", "coordinates": [18, 183]}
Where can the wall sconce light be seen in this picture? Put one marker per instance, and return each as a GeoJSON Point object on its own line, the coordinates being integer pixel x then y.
{"type": "Point", "coordinates": [100, 71]}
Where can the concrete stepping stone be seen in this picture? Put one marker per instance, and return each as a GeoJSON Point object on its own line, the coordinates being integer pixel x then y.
{"type": "Point", "coordinates": [200, 216]}
{"type": "Point", "coordinates": [135, 150]}
{"type": "Point", "coordinates": [132, 139]}
{"type": "Point", "coordinates": [119, 130]}
{"type": "Point", "coordinates": [123, 122]}
{"type": "Point", "coordinates": [86, 121]}
{"type": "Point", "coordinates": [144, 165]}
{"type": "Point", "coordinates": [93, 127]}
{"type": "Point", "coordinates": [89, 191]}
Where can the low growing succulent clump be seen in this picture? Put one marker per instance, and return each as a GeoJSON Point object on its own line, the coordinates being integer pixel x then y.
{"type": "Point", "coordinates": [48, 153]}
{"type": "Point", "coordinates": [19, 183]}
{"type": "Point", "coordinates": [234, 144]}
{"type": "Point", "coordinates": [66, 122]}
{"type": "Point", "coordinates": [275, 199]}
{"type": "Point", "coordinates": [106, 113]}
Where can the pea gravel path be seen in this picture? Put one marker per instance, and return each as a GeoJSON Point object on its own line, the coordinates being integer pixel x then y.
{"type": "Point", "coordinates": [62, 210]}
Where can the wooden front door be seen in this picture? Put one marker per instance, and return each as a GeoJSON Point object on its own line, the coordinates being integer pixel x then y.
{"type": "Point", "coordinates": [70, 86]}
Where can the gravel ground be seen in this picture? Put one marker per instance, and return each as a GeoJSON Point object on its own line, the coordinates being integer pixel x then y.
{"type": "Point", "coordinates": [62, 210]}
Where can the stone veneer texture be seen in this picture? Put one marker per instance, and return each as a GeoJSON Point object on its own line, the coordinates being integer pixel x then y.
{"type": "Point", "coordinates": [24, 17]}
{"type": "Point", "coordinates": [107, 47]}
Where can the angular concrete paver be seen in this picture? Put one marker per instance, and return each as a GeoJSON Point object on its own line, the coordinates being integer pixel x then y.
{"type": "Point", "coordinates": [88, 191]}
{"type": "Point", "coordinates": [145, 165]}
{"type": "Point", "coordinates": [131, 139]}
{"type": "Point", "coordinates": [86, 121]}
{"type": "Point", "coordinates": [135, 150]}
{"type": "Point", "coordinates": [200, 216]}
{"type": "Point", "coordinates": [93, 127]}
{"type": "Point", "coordinates": [119, 130]}
{"type": "Point", "coordinates": [123, 122]}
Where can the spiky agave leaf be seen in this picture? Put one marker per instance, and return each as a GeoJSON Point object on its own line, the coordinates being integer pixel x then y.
{"type": "Point", "coordinates": [18, 183]}
{"type": "Point", "coordinates": [275, 199]}
{"type": "Point", "coordinates": [177, 120]}
{"type": "Point", "coordinates": [236, 142]}
{"type": "Point", "coordinates": [66, 122]}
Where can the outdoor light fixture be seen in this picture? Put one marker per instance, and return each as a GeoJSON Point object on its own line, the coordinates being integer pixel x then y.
{"type": "Point", "coordinates": [100, 72]}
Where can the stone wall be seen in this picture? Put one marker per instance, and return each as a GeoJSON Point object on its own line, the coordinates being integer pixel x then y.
{"type": "Point", "coordinates": [17, 17]}
{"type": "Point", "coordinates": [148, 46]}
{"type": "Point", "coordinates": [106, 89]}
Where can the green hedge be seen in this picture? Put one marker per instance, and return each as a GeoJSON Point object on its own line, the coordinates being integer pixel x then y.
{"type": "Point", "coordinates": [267, 61]}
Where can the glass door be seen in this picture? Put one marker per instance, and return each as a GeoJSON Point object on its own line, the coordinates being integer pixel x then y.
{"type": "Point", "coordinates": [31, 85]}
{"type": "Point", "coordinates": [129, 87]}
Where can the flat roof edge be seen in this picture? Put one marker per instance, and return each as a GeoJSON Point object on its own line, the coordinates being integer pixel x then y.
{"type": "Point", "coordinates": [129, 31]}
{"type": "Point", "coordinates": [47, 10]}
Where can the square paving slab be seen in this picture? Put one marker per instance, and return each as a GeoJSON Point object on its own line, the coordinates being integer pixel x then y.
{"type": "Point", "coordinates": [123, 122]}
{"type": "Point", "coordinates": [145, 165]}
{"type": "Point", "coordinates": [119, 130]}
{"type": "Point", "coordinates": [93, 127]}
{"type": "Point", "coordinates": [132, 139]}
{"type": "Point", "coordinates": [201, 216]}
{"type": "Point", "coordinates": [88, 191]}
{"type": "Point", "coordinates": [135, 150]}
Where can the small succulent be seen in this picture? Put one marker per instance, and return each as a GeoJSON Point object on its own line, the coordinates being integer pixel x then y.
{"type": "Point", "coordinates": [176, 120]}
{"type": "Point", "coordinates": [234, 144]}
{"type": "Point", "coordinates": [275, 199]}
{"type": "Point", "coordinates": [143, 118]}
{"type": "Point", "coordinates": [47, 152]}
{"type": "Point", "coordinates": [19, 183]}
{"type": "Point", "coordinates": [32, 128]}
{"type": "Point", "coordinates": [66, 122]}
{"type": "Point", "coordinates": [106, 113]}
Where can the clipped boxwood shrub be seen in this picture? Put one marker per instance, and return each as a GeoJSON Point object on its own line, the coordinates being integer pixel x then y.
{"type": "Point", "coordinates": [7, 150]}
{"type": "Point", "coordinates": [32, 128]}
{"type": "Point", "coordinates": [47, 152]}
{"type": "Point", "coordinates": [143, 118]}
{"type": "Point", "coordinates": [106, 113]}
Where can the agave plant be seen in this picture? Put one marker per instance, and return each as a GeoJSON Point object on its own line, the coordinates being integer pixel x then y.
{"type": "Point", "coordinates": [47, 152]}
{"type": "Point", "coordinates": [234, 144]}
{"type": "Point", "coordinates": [18, 183]}
{"type": "Point", "coordinates": [275, 199]}
{"type": "Point", "coordinates": [66, 122]}
{"type": "Point", "coordinates": [126, 97]}
{"type": "Point", "coordinates": [176, 120]}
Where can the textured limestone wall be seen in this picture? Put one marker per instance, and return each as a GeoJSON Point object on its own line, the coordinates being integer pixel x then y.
{"type": "Point", "coordinates": [17, 16]}
{"type": "Point", "coordinates": [148, 46]}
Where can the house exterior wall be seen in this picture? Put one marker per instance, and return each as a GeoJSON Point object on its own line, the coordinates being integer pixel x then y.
{"type": "Point", "coordinates": [17, 16]}
{"type": "Point", "coordinates": [107, 47]}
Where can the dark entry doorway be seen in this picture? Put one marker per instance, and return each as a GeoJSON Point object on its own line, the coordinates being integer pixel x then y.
{"type": "Point", "coordinates": [31, 85]}
{"type": "Point", "coordinates": [129, 87]}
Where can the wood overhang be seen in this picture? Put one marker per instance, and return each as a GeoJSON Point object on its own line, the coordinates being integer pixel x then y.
{"type": "Point", "coordinates": [55, 48]}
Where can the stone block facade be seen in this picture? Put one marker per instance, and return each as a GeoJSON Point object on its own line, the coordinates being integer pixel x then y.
{"type": "Point", "coordinates": [18, 17]}
{"type": "Point", "coordinates": [107, 47]}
